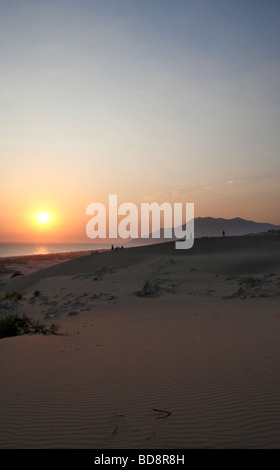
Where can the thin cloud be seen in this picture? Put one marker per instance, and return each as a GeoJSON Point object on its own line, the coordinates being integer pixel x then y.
{"type": "Point", "coordinates": [192, 190]}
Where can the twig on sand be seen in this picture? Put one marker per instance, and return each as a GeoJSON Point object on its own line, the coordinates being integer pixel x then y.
{"type": "Point", "coordinates": [150, 437]}
{"type": "Point", "coordinates": [115, 430]}
{"type": "Point", "coordinates": [168, 413]}
{"type": "Point", "coordinates": [36, 327]}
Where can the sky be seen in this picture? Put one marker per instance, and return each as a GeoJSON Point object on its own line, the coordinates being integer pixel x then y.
{"type": "Point", "coordinates": [151, 100]}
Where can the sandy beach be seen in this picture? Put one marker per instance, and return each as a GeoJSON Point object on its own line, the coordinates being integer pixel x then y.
{"type": "Point", "coordinates": [161, 348]}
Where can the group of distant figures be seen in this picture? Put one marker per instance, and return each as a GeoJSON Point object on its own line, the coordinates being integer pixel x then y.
{"type": "Point", "coordinates": [112, 249]}
{"type": "Point", "coordinates": [116, 248]}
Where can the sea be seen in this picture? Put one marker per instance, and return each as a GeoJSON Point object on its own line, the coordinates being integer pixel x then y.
{"type": "Point", "coordinates": [23, 249]}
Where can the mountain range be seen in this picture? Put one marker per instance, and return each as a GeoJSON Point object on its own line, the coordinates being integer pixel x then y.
{"type": "Point", "coordinates": [214, 227]}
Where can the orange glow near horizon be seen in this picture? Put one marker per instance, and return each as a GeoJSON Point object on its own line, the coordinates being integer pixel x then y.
{"type": "Point", "coordinates": [43, 217]}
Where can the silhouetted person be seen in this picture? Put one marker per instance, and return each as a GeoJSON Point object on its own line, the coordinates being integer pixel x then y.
{"type": "Point", "coordinates": [224, 233]}
{"type": "Point", "coordinates": [112, 248]}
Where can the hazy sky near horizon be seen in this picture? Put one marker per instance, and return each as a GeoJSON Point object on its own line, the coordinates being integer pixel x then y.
{"type": "Point", "coordinates": [175, 101]}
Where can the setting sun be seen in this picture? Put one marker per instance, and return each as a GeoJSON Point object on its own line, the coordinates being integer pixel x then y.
{"type": "Point", "coordinates": [43, 217]}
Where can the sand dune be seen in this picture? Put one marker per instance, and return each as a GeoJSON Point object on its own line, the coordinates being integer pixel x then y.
{"type": "Point", "coordinates": [258, 254]}
{"type": "Point", "coordinates": [193, 332]}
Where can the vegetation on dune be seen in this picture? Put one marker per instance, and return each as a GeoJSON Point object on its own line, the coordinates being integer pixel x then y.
{"type": "Point", "coordinates": [35, 295]}
{"type": "Point", "coordinates": [13, 296]}
{"type": "Point", "coordinates": [16, 273]}
{"type": "Point", "coordinates": [17, 295]}
{"type": "Point", "coordinates": [15, 325]}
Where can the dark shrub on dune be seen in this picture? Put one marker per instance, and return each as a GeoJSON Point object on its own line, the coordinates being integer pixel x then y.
{"type": "Point", "coordinates": [149, 289]}
{"type": "Point", "coordinates": [11, 325]}
{"type": "Point", "coordinates": [14, 325]}
{"type": "Point", "coordinates": [16, 273]}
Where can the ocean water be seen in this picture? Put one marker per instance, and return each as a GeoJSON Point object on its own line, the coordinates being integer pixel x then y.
{"type": "Point", "coordinates": [22, 249]}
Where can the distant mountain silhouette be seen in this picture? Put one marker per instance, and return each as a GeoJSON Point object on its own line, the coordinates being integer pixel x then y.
{"type": "Point", "coordinates": [212, 227]}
